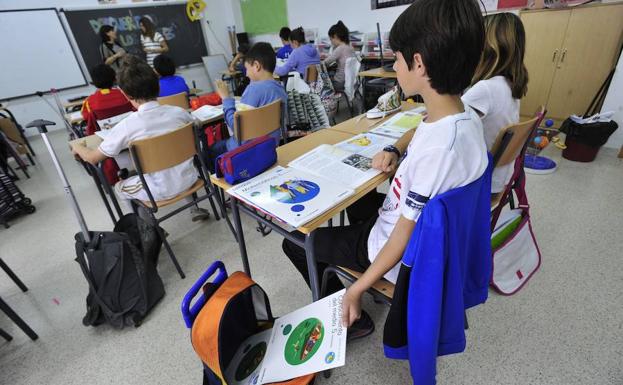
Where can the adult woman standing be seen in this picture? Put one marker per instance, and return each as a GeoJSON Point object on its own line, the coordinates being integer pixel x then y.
{"type": "Point", "coordinates": [110, 50]}
{"type": "Point", "coordinates": [153, 42]}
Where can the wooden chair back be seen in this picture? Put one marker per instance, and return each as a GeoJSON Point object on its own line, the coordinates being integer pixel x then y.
{"type": "Point", "coordinates": [311, 73]}
{"type": "Point", "coordinates": [164, 151]}
{"type": "Point", "coordinates": [180, 100]}
{"type": "Point", "coordinates": [515, 136]}
{"type": "Point", "coordinates": [257, 122]}
{"type": "Point", "coordinates": [12, 132]}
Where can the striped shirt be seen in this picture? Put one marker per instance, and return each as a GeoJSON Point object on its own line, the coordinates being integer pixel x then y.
{"type": "Point", "coordinates": [149, 43]}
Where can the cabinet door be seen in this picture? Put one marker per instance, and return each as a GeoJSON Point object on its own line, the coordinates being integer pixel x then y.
{"type": "Point", "coordinates": [545, 33]}
{"type": "Point", "coordinates": [589, 52]}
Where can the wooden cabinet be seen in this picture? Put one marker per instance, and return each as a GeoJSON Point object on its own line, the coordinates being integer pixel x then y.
{"type": "Point", "coordinates": [569, 53]}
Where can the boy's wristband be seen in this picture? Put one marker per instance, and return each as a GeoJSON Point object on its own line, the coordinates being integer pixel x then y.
{"type": "Point", "coordinates": [392, 148]}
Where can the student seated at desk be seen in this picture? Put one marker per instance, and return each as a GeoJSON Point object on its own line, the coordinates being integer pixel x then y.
{"type": "Point", "coordinates": [140, 84]}
{"type": "Point", "coordinates": [106, 98]}
{"type": "Point", "coordinates": [263, 90]}
{"type": "Point", "coordinates": [447, 151]}
{"type": "Point", "coordinates": [284, 35]}
{"type": "Point", "coordinates": [301, 56]}
{"type": "Point", "coordinates": [340, 39]}
{"type": "Point", "coordinates": [237, 63]}
{"type": "Point", "coordinates": [170, 84]}
{"type": "Point", "coordinates": [501, 79]}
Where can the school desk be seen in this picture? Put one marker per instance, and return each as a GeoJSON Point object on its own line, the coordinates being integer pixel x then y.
{"type": "Point", "coordinates": [285, 154]}
{"type": "Point", "coordinates": [68, 106]}
{"type": "Point", "coordinates": [360, 124]}
{"type": "Point", "coordinates": [379, 72]}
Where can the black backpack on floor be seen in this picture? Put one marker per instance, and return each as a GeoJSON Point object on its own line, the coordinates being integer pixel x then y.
{"type": "Point", "coordinates": [124, 284]}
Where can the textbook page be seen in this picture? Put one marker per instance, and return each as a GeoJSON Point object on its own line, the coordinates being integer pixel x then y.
{"type": "Point", "coordinates": [348, 162]}
{"type": "Point", "coordinates": [207, 112]}
{"type": "Point", "coordinates": [107, 124]}
{"type": "Point", "coordinates": [290, 195]}
{"type": "Point", "coordinates": [245, 366]}
{"type": "Point", "coordinates": [399, 124]}
{"type": "Point", "coordinates": [308, 340]}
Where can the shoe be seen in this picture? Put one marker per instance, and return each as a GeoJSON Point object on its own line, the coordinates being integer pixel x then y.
{"type": "Point", "coordinates": [363, 327]}
{"type": "Point", "coordinates": [199, 214]}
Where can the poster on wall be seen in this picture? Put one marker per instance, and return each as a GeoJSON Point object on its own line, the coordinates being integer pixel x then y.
{"type": "Point", "coordinates": [378, 4]}
{"type": "Point", "coordinates": [263, 16]}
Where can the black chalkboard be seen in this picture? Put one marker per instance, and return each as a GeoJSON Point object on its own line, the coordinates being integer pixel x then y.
{"type": "Point", "coordinates": [185, 38]}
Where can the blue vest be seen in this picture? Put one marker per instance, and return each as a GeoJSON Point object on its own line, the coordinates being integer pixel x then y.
{"type": "Point", "coordinates": [445, 269]}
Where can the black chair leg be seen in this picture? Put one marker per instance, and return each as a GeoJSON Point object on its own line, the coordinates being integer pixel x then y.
{"type": "Point", "coordinates": [5, 335]}
{"type": "Point", "coordinates": [13, 276]}
{"type": "Point", "coordinates": [465, 317]}
{"type": "Point", "coordinates": [18, 321]}
{"type": "Point", "coordinates": [168, 247]}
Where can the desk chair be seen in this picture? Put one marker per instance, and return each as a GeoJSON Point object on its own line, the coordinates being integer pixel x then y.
{"type": "Point", "coordinates": [180, 100]}
{"type": "Point", "coordinates": [5, 113]}
{"type": "Point", "coordinates": [311, 73]}
{"type": "Point", "coordinates": [256, 122]}
{"type": "Point", "coordinates": [351, 84]}
{"type": "Point", "coordinates": [9, 312]}
{"type": "Point", "coordinates": [6, 151]}
{"type": "Point", "coordinates": [510, 145]}
{"type": "Point", "coordinates": [164, 151]}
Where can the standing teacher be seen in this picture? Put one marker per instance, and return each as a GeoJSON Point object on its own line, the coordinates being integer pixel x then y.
{"type": "Point", "coordinates": [153, 42]}
{"type": "Point", "coordinates": [110, 50]}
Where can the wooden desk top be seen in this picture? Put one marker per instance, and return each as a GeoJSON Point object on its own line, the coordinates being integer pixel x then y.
{"type": "Point", "coordinates": [360, 124]}
{"type": "Point", "coordinates": [92, 142]}
{"type": "Point", "coordinates": [77, 120]}
{"type": "Point", "coordinates": [378, 73]}
{"type": "Point", "coordinates": [292, 150]}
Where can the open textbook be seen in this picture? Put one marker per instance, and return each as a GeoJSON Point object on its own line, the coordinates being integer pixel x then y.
{"type": "Point", "coordinates": [397, 125]}
{"type": "Point", "coordinates": [290, 195]}
{"type": "Point", "coordinates": [308, 340]}
{"type": "Point", "coordinates": [107, 124]}
{"type": "Point", "coordinates": [348, 162]}
{"type": "Point", "coordinates": [208, 112]}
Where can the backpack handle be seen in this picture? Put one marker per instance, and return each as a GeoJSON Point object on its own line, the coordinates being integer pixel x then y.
{"type": "Point", "coordinates": [189, 313]}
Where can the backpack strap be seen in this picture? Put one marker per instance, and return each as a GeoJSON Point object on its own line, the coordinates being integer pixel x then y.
{"type": "Point", "coordinates": [205, 330]}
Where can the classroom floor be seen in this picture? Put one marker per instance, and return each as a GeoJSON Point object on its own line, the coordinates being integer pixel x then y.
{"type": "Point", "coordinates": [564, 327]}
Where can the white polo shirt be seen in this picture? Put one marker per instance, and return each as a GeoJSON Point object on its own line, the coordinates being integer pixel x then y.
{"type": "Point", "coordinates": [443, 155]}
{"type": "Point", "coordinates": [151, 119]}
{"type": "Point", "coordinates": [493, 98]}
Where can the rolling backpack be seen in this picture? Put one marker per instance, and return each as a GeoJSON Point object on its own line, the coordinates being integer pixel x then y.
{"type": "Point", "coordinates": [227, 311]}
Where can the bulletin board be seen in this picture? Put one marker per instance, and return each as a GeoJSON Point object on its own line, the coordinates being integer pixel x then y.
{"type": "Point", "coordinates": [264, 16]}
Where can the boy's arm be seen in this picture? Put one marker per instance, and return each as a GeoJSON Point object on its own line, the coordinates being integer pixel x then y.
{"type": "Point", "coordinates": [229, 104]}
{"type": "Point", "coordinates": [87, 154]}
{"type": "Point", "coordinates": [387, 258]}
{"type": "Point", "coordinates": [388, 161]}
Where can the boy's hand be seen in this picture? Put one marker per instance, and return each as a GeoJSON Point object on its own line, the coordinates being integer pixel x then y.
{"type": "Point", "coordinates": [351, 306]}
{"type": "Point", "coordinates": [385, 161]}
{"type": "Point", "coordinates": [222, 89]}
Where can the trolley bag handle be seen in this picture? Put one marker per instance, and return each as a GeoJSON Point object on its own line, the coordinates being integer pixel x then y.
{"type": "Point", "coordinates": [190, 312]}
{"type": "Point", "coordinates": [43, 130]}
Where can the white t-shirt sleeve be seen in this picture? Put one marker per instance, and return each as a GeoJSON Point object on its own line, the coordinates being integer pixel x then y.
{"type": "Point", "coordinates": [423, 179]}
{"type": "Point", "coordinates": [158, 38]}
{"type": "Point", "coordinates": [116, 141]}
{"type": "Point", "coordinates": [478, 97]}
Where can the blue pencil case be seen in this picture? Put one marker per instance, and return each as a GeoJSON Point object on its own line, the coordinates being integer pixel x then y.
{"type": "Point", "coordinates": [248, 160]}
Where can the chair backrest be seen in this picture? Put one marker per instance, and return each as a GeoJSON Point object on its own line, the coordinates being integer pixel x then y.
{"type": "Point", "coordinates": [257, 122]}
{"type": "Point", "coordinates": [10, 130]}
{"type": "Point", "coordinates": [311, 73]}
{"type": "Point", "coordinates": [180, 100]}
{"type": "Point", "coordinates": [160, 152]}
{"type": "Point", "coordinates": [351, 71]}
{"type": "Point", "coordinates": [515, 137]}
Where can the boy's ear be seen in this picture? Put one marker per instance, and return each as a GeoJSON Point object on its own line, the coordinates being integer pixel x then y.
{"type": "Point", "coordinates": [418, 65]}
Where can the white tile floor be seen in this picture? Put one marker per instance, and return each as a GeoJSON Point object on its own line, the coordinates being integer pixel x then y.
{"type": "Point", "coordinates": [564, 327]}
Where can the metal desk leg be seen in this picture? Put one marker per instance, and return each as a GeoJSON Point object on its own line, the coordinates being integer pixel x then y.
{"type": "Point", "coordinates": [13, 276]}
{"type": "Point", "coordinates": [101, 191]}
{"type": "Point", "coordinates": [240, 235]}
{"type": "Point", "coordinates": [18, 321]}
{"type": "Point", "coordinates": [312, 268]}
{"type": "Point", "coordinates": [109, 191]}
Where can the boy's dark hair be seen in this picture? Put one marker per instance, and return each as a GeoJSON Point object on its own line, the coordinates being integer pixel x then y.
{"type": "Point", "coordinates": [104, 29]}
{"type": "Point", "coordinates": [138, 80]}
{"type": "Point", "coordinates": [448, 34]}
{"type": "Point", "coordinates": [298, 34]}
{"type": "Point", "coordinates": [164, 65]}
{"type": "Point", "coordinates": [243, 48]}
{"type": "Point", "coordinates": [340, 31]}
{"type": "Point", "coordinates": [284, 33]}
{"type": "Point", "coordinates": [264, 54]}
{"type": "Point", "coordinates": [103, 76]}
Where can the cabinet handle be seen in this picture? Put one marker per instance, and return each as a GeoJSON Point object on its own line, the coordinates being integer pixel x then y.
{"type": "Point", "coordinates": [554, 56]}
{"type": "Point", "coordinates": [562, 58]}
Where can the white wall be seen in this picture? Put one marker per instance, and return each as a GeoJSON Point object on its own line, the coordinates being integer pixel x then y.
{"type": "Point", "coordinates": [218, 12]}
{"type": "Point", "coordinates": [614, 102]}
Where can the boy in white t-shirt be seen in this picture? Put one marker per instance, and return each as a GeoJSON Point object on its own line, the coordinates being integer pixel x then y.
{"type": "Point", "coordinates": [447, 150]}
{"type": "Point", "coordinates": [501, 79]}
{"type": "Point", "coordinates": [140, 85]}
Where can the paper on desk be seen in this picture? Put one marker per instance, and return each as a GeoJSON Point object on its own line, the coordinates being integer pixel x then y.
{"type": "Point", "coordinates": [76, 115]}
{"type": "Point", "coordinates": [211, 112]}
{"type": "Point", "coordinates": [397, 125]}
{"type": "Point", "coordinates": [107, 124]}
